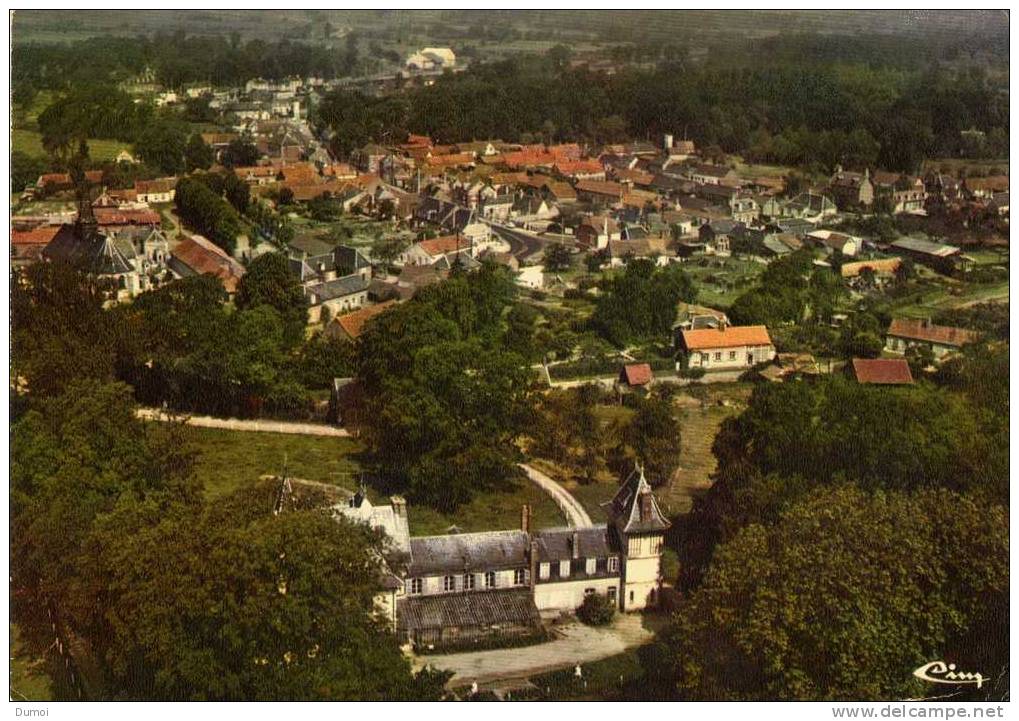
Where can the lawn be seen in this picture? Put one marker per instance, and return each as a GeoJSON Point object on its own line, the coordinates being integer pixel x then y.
{"type": "Point", "coordinates": [721, 280]}
{"type": "Point", "coordinates": [28, 678]}
{"type": "Point", "coordinates": [228, 460]}
{"type": "Point", "coordinates": [30, 143]}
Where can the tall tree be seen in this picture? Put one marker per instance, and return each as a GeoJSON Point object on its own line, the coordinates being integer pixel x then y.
{"type": "Point", "coordinates": [840, 598]}
{"type": "Point", "coordinates": [269, 281]}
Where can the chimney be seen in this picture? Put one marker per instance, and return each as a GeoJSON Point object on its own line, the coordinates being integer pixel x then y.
{"type": "Point", "coordinates": [575, 545]}
{"type": "Point", "coordinates": [399, 505]}
{"type": "Point", "coordinates": [525, 518]}
{"type": "Point", "coordinates": [533, 560]}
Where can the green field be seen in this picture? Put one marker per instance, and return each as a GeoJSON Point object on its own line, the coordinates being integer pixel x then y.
{"type": "Point", "coordinates": [229, 460]}
{"type": "Point", "coordinates": [28, 678]}
{"type": "Point", "coordinates": [30, 143]}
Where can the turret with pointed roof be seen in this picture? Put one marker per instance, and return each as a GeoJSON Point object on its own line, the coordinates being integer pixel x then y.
{"type": "Point", "coordinates": [634, 509]}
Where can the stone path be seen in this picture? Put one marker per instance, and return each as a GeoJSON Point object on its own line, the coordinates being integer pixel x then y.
{"type": "Point", "coordinates": [570, 506]}
{"type": "Point", "coordinates": [578, 644]}
{"type": "Point", "coordinates": [258, 426]}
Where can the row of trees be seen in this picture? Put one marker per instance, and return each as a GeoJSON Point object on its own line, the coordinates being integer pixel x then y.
{"type": "Point", "coordinates": [175, 60]}
{"type": "Point", "coordinates": [180, 344]}
{"type": "Point", "coordinates": [823, 113]}
{"type": "Point", "coordinates": [205, 210]}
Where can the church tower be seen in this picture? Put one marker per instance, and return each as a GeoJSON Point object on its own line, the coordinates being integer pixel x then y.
{"type": "Point", "coordinates": [639, 527]}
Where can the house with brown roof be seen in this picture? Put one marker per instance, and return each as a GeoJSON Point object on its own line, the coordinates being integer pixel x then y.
{"type": "Point", "coordinates": [349, 326]}
{"type": "Point", "coordinates": [882, 371]}
{"type": "Point", "coordinates": [851, 189]}
{"type": "Point", "coordinates": [940, 339]}
{"type": "Point", "coordinates": [27, 245]}
{"type": "Point", "coordinates": [726, 347]}
{"type": "Point", "coordinates": [882, 268]}
{"type": "Point", "coordinates": [161, 190]}
{"type": "Point", "coordinates": [195, 255]}
{"type": "Point", "coordinates": [605, 192]}
{"type": "Point", "coordinates": [432, 250]}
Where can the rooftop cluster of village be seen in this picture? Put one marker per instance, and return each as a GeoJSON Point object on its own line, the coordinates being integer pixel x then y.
{"type": "Point", "coordinates": [587, 363]}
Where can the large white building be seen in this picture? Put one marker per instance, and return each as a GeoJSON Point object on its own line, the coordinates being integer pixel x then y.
{"type": "Point", "coordinates": [461, 587]}
{"type": "Point", "coordinates": [431, 59]}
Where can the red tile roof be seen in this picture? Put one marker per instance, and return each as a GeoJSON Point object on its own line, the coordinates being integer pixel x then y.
{"type": "Point", "coordinates": [637, 374]}
{"type": "Point", "coordinates": [579, 167]}
{"type": "Point", "coordinates": [729, 337]}
{"type": "Point", "coordinates": [353, 323]}
{"type": "Point", "coordinates": [203, 256]}
{"type": "Point", "coordinates": [443, 245]}
{"type": "Point", "coordinates": [883, 371]}
{"type": "Point", "coordinates": [37, 236]}
{"type": "Point", "coordinates": [125, 216]}
{"type": "Point", "coordinates": [528, 159]}
{"type": "Point", "coordinates": [916, 329]}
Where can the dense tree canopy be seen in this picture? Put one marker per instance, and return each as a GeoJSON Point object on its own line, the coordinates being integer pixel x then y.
{"type": "Point", "coordinates": [640, 302]}
{"type": "Point", "coordinates": [209, 214]}
{"type": "Point", "coordinates": [443, 401]}
{"type": "Point", "coordinates": [269, 281]}
{"type": "Point", "coordinates": [840, 598]}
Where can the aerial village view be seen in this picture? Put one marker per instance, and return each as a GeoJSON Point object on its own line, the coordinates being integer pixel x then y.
{"type": "Point", "coordinates": [492, 355]}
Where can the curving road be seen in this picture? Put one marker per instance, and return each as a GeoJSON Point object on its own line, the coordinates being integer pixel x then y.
{"type": "Point", "coordinates": [522, 244]}
{"type": "Point", "coordinates": [575, 514]}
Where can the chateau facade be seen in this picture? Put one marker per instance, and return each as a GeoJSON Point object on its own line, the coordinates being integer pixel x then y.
{"type": "Point", "coordinates": [459, 588]}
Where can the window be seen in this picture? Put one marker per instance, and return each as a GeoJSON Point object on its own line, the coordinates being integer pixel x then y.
{"type": "Point", "coordinates": [704, 357]}
{"type": "Point", "coordinates": [613, 564]}
{"type": "Point", "coordinates": [612, 594]}
{"type": "Point", "coordinates": [543, 570]}
{"type": "Point", "coordinates": [589, 591]}
{"type": "Point", "coordinates": [519, 577]}
{"type": "Point", "coordinates": [415, 585]}
{"type": "Point", "coordinates": [449, 583]}
{"type": "Point", "coordinates": [631, 596]}
{"type": "Point", "coordinates": [490, 579]}
{"type": "Point", "coordinates": [718, 355]}
{"type": "Point", "coordinates": [732, 355]}
{"type": "Point", "coordinates": [564, 569]}
{"type": "Point", "coordinates": [468, 581]}
{"type": "Point", "coordinates": [591, 566]}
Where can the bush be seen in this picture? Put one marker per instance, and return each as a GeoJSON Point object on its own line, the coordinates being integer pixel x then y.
{"type": "Point", "coordinates": [692, 373]}
{"type": "Point", "coordinates": [596, 610]}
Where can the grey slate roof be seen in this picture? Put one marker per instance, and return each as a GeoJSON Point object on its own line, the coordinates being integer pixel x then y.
{"type": "Point", "coordinates": [457, 553]}
{"type": "Point", "coordinates": [460, 610]}
{"type": "Point", "coordinates": [338, 288]}
{"type": "Point", "coordinates": [556, 544]}
{"type": "Point", "coordinates": [918, 245]}
{"type": "Point", "coordinates": [96, 252]}
{"type": "Point", "coordinates": [634, 508]}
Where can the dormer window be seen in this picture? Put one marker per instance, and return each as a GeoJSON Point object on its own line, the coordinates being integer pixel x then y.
{"type": "Point", "coordinates": [613, 565]}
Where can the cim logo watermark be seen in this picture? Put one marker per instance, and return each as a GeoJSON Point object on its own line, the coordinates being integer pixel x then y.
{"type": "Point", "coordinates": [941, 672]}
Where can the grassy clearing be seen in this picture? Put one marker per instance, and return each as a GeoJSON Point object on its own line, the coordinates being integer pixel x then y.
{"type": "Point", "coordinates": [698, 427]}
{"type": "Point", "coordinates": [28, 678]}
{"type": "Point", "coordinates": [30, 143]}
{"type": "Point", "coordinates": [228, 460]}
